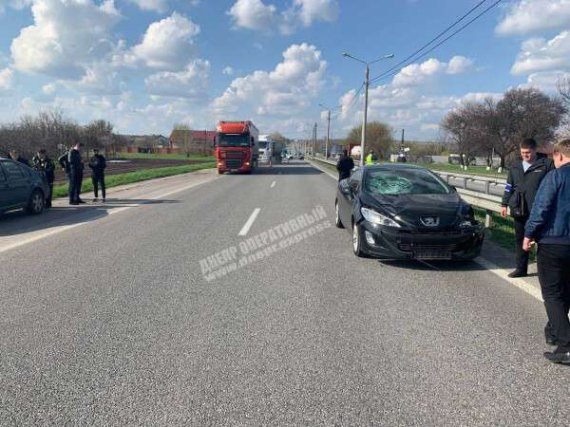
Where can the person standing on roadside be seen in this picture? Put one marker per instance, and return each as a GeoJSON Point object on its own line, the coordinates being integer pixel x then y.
{"type": "Point", "coordinates": [97, 163]}
{"type": "Point", "coordinates": [14, 155]}
{"type": "Point", "coordinates": [523, 181]}
{"type": "Point", "coordinates": [549, 226]}
{"type": "Point", "coordinates": [75, 174]}
{"type": "Point", "coordinates": [344, 165]}
{"type": "Point", "coordinates": [42, 163]}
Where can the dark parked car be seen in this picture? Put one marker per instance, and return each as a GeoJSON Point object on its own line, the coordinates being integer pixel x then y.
{"type": "Point", "coordinates": [21, 187]}
{"type": "Point", "coordinates": [400, 211]}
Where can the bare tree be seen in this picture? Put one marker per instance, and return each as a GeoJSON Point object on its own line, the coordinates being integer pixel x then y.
{"type": "Point", "coordinates": [480, 128]}
{"type": "Point", "coordinates": [186, 137]}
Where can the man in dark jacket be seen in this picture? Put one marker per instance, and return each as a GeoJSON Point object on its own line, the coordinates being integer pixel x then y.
{"type": "Point", "coordinates": [75, 174]}
{"type": "Point", "coordinates": [97, 163]}
{"type": "Point", "coordinates": [549, 226]}
{"type": "Point", "coordinates": [42, 163]}
{"type": "Point", "coordinates": [522, 184]}
{"type": "Point", "coordinates": [344, 165]}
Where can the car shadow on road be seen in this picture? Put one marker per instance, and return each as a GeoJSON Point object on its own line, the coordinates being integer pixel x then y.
{"type": "Point", "coordinates": [421, 265]}
{"type": "Point", "coordinates": [19, 222]}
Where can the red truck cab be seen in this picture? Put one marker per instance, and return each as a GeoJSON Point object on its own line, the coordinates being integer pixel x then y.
{"type": "Point", "coordinates": [237, 146]}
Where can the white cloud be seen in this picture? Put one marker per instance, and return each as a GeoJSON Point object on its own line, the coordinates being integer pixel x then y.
{"type": "Point", "coordinates": [256, 15]}
{"type": "Point", "coordinates": [528, 16]}
{"type": "Point", "coordinates": [541, 55]}
{"type": "Point", "coordinates": [6, 79]}
{"type": "Point", "coordinates": [415, 74]}
{"type": "Point", "coordinates": [316, 10]}
{"type": "Point", "coordinates": [408, 101]}
{"type": "Point", "coordinates": [291, 85]}
{"type": "Point", "coordinates": [168, 44]}
{"type": "Point", "coordinates": [458, 65]}
{"type": "Point", "coordinates": [153, 5]}
{"type": "Point", "coordinates": [228, 71]}
{"type": "Point", "coordinates": [190, 83]}
{"type": "Point", "coordinates": [49, 89]}
{"type": "Point", "coordinates": [547, 81]}
{"type": "Point", "coordinates": [253, 14]}
{"type": "Point", "coordinates": [65, 36]}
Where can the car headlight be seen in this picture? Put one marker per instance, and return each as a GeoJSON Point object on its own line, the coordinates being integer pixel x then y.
{"type": "Point", "coordinates": [376, 218]}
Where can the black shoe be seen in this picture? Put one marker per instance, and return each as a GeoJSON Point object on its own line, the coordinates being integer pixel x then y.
{"type": "Point", "coordinates": [549, 338]}
{"type": "Point", "coordinates": [517, 273]}
{"type": "Point", "coordinates": [81, 201]}
{"type": "Point", "coordinates": [560, 355]}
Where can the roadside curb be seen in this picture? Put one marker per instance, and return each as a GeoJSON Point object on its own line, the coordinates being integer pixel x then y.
{"type": "Point", "coordinates": [495, 259]}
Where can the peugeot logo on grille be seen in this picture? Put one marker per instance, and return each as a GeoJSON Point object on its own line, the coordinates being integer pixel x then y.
{"type": "Point", "coordinates": [430, 221]}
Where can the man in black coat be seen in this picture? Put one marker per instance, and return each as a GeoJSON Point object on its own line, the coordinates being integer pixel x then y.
{"type": "Point", "coordinates": [75, 174]}
{"type": "Point", "coordinates": [522, 184]}
{"type": "Point", "coordinates": [344, 165]}
{"type": "Point", "coordinates": [97, 163]}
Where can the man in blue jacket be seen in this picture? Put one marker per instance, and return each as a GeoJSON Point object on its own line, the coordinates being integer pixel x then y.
{"type": "Point", "coordinates": [549, 226]}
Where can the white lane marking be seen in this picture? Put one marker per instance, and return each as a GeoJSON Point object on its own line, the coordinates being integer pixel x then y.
{"type": "Point", "coordinates": [59, 229]}
{"type": "Point", "coordinates": [533, 291]}
{"type": "Point", "coordinates": [245, 229]}
{"type": "Point", "coordinates": [489, 266]}
{"type": "Point", "coordinates": [273, 184]}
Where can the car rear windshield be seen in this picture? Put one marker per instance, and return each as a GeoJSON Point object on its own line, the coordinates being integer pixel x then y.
{"type": "Point", "coordinates": [404, 181]}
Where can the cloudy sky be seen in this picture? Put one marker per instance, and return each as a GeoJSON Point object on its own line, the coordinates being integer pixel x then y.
{"type": "Point", "coordinates": [145, 65]}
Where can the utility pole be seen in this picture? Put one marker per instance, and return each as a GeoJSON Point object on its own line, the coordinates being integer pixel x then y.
{"type": "Point", "coordinates": [402, 142]}
{"type": "Point", "coordinates": [366, 84]}
{"type": "Point", "coordinates": [365, 115]}
{"type": "Point", "coordinates": [314, 138]}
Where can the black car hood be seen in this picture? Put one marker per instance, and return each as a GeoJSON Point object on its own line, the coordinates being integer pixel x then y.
{"type": "Point", "coordinates": [417, 210]}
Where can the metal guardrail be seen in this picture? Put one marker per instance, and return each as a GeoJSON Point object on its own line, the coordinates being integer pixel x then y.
{"type": "Point", "coordinates": [484, 196]}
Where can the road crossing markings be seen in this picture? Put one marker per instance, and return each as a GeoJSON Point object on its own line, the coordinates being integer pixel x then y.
{"type": "Point", "coordinates": [245, 229]}
{"type": "Point", "coordinates": [273, 184]}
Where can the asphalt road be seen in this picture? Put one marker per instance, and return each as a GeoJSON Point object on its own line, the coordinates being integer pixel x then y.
{"type": "Point", "coordinates": [112, 321]}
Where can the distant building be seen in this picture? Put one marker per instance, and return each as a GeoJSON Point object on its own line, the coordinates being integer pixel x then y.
{"type": "Point", "coordinates": [193, 141]}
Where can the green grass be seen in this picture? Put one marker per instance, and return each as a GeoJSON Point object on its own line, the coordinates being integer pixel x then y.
{"type": "Point", "coordinates": [204, 157]}
{"type": "Point", "coordinates": [501, 231]}
{"type": "Point", "coordinates": [130, 177]}
{"type": "Point", "coordinates": [472, 170]}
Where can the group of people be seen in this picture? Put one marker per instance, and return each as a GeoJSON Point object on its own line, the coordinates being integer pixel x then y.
{"type": "Point", "coordinates": [537, 194]}
{"type": "Point", "coordinates": [72, 163]}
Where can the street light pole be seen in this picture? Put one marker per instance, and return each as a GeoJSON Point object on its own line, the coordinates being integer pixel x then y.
{"type": "Point", "coordinates": [365, 115]}
{"type": "Point", "coordinates": [328, 130]}
{"type": "Point", "coordinates": [366, 84]}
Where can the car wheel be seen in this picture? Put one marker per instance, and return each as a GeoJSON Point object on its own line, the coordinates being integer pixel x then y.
{"type": "Point", "coordinates": [357, 241]}
{"type": "Point", "coordinates": [37, 203]}
{"type": "Point", "coordinates": [337, 220]}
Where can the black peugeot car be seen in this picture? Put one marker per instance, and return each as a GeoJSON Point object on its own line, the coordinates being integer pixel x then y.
{"type": "Point", "coordinates": [400, 211]}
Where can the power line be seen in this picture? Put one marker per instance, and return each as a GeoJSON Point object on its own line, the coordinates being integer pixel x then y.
{"type": "Point", "coordinates": [391, 71]}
